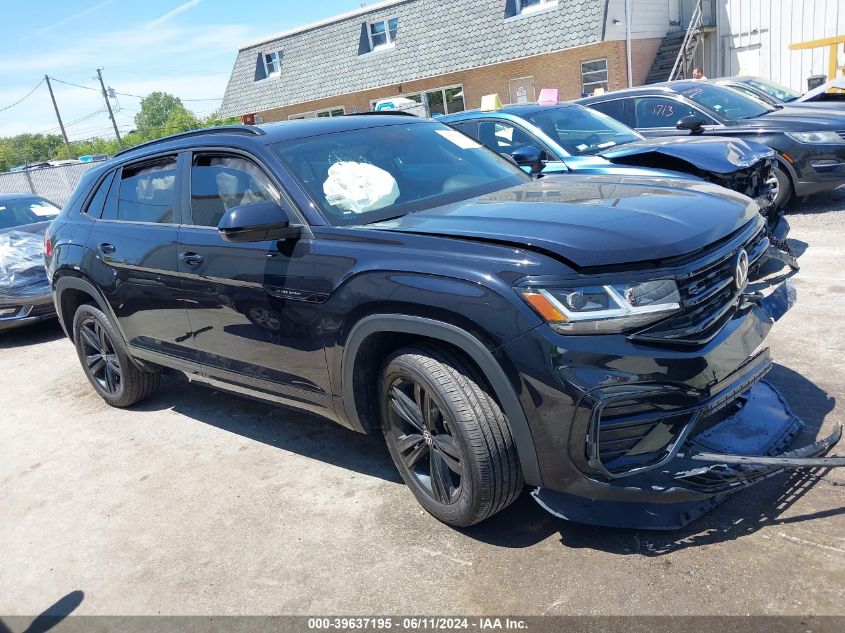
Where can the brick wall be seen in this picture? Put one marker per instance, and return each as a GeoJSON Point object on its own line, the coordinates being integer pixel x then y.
{"type": "Point", "coordinates": [560, 70]}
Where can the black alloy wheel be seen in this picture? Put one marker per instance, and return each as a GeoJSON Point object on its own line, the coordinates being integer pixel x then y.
{"type": "Point", "coordinates": [100, 358]}
{"type": "Point", "coordinates": [423, 437]}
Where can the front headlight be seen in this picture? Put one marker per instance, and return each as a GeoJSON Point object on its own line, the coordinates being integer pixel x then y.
{"type": "Point", "coordinates": [604, 309]}
{"type": "Point", "coordinates": [826, 138]}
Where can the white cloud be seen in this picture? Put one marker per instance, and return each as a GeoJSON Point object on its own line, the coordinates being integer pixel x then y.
{"type": "Point", "coordinates": [76, 15]}
{"type": "Point", "coordinates": [170, 14]}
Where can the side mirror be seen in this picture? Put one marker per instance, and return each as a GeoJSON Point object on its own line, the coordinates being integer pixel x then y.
{"type": "Point", "coordinates": [529, 156]}
{"type": "Point", "coordinates": [691, 123]}
{"type": "Point", "coordinates": [256, 222]}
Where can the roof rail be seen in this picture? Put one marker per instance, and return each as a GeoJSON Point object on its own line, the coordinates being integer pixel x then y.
{"type": "Point", "coordinates": [220, 129]}
{"type": "Point", "coordinates": [382, 112]}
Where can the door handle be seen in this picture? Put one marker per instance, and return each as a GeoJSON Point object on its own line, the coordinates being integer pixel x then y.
{"type": "Point", "coordinates": [192, 259]}
{"type": "Point", "coordinates": [105, 248]}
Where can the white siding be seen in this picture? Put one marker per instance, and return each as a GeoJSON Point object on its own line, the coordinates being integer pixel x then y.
{"type": "Point", "coordinates": [649, 18]}
{"type": "Point", "coordinates": [753, 37]}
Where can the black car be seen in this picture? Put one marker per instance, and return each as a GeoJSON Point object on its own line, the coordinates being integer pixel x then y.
{"type": "Point", "coordinates": [809, 145]}
{"type": "Point", "coordinates": [779, 96]}
{"type": "Point", "coordinates": [24, 290]}
{"type": "Point", "coordinates": [596, 340]}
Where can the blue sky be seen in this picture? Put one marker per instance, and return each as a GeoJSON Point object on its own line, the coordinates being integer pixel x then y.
{"type": "Point", "coordinates": [185, 47]}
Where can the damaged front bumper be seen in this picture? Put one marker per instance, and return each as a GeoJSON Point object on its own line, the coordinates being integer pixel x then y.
{"type": "Point", "coordinates": [660, 454]}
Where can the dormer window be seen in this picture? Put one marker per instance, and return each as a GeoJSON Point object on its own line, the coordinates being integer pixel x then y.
{"type": "Point", "coordinates": [382, 33]}
{"type": "Point", "coordinates": [528, 6]}
{"type": "Point", "coordinates": [272, 63]}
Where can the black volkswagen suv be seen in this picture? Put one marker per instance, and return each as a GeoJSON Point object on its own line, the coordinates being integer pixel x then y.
{"type": "Point", "coordinates": [593, 339]}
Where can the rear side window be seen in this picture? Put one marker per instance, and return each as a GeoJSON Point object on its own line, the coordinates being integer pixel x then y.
{"type": "Point", "coordinates": [145, 192]}
{"type": "Point", "coordinates": [95, 206]}
{"type": "Point", "coordinates": [614, 109]}
{"type": "Point", "coordinates": [220, 182]}
{"type": "Point", "coordinates": [651, 112]}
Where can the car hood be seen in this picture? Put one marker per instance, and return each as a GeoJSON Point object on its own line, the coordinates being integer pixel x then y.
{"type": "Point", "coordinates": [595, 164]}
{"type": "Point", "coordinates": [709, 153]}
{"type": "Point", "coordinates": [592, 220]}
{"type": "Point", "coordinates": [789, 119]}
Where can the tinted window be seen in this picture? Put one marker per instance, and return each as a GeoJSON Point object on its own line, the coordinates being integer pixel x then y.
{"type": "Point", "coordinates": [504, 138]}
{"type": "Point", "coordinates": [145, 193]}
{"type": "Point", "coordinates": [725, 103]}
{"type": "Point", "coordinates": [220, 182]}
{"type": "Point", "coordinates": [582, 131]}
{"type": "Point", "coordinates": [659, 112]}
{"type": "Point", "coordinates": [376, 173]}
{"type": "Point", "coordinates": [95, 206]}
{"type": "Point", "coordinates": [614, 109]}
{"type": "Point", "coordinates": [20, 211]}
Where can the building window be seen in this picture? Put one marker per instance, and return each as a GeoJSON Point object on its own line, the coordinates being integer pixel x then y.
{"type": "Point", "coordinates": [593, 76]}
{"type": "Point", "coordinates": [446, 100]}
{"type": "Point", "coordinates": [382, 33]}
{"type": "Point", "coordinates": [527, 6]}
{"type": "Point", "coordinates": [319, 114]}
{"type": "Point", "coordinates": [272, 63]}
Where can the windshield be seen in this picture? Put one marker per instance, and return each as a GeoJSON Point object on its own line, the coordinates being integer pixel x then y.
{"type": "Point", "coordinates": [725, 103]}
{"type": "Point", "coordinates": [377, 173]}
{"type": "Point", "coordinates": [582, 131]}
{"type": "Point", "coordinates": [20, 211]}
{"type": "Point", "coordinates": [776, 91]}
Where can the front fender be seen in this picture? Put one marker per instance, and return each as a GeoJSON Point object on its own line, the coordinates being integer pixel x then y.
{"type": "Point", "coordinates": [472, 347]}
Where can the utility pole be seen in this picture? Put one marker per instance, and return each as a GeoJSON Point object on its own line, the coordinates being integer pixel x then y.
{"type": "Point", "coordinates": [108, 105]}
{"type": "Point", "coordinates": [58, 116]}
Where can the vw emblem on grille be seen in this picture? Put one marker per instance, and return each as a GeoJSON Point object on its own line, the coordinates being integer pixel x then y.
{"type": "Point", "coordinates": [741, 270]}
{"type": "Point", "coordinates": [427, 437]}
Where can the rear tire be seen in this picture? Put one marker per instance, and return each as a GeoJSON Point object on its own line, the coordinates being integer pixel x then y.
{"type": "Point", "coordinates": [106, 362]}
{"type": "Point", "coordinates": [783, 193]}
{"type": "Point", "coordinates": [447, 436]}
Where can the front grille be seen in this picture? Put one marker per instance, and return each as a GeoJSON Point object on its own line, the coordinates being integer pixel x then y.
{"type": "Point", "coordinates": [708, 298]}
{"type": "Point", "coordinates": [841, 134]}
{"type": "Point", "coordinates": [46, 309]}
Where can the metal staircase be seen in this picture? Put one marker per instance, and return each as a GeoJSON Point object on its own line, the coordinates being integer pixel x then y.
{"type": "Point", "coordinates": [676, 55]}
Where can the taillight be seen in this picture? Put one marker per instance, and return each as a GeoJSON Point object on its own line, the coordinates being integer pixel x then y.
{"type": "Point", "coordinates": [48, 244]}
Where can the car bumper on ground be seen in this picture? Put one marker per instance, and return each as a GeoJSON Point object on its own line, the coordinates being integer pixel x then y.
{"type": "Point", "coordinates": [650, 437]}
{"type": "Point", "coordinates": [17, 312]}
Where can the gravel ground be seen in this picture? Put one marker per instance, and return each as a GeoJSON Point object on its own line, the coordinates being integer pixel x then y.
{"type": "Point", "coordinates": [198, 502]}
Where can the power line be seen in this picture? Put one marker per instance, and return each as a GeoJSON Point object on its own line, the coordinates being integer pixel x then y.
{"type": "Point", "coordinates": [28, 94]}
{"type": "Point", "coordinates": [127, 94]}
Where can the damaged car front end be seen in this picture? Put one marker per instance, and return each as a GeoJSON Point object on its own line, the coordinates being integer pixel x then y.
{"type": "Point", "coordinates": [667, 421]}
{"type": "Point", "coordinates": [25, 293]}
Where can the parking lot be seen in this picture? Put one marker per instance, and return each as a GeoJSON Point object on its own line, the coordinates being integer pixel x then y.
{"type": "Point", "coordinates": [197, 502]}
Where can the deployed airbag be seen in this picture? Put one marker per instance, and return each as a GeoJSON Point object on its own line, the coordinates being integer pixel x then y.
{"type": "Point", "coordinates": [359, 187]}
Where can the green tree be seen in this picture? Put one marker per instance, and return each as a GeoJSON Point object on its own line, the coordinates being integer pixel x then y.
{"type": "Point", "coordinates": [180, 120]}
{"type": "Point", "coordinates": [156, 109]}
{"type": "Point", "coordinates": [213, 120]}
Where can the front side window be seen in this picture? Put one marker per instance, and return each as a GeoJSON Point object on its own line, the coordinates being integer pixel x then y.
{"type": "Point", "coordinates": [725, 103]}
{"type": "Point", "coordinates": [504, 137]}
{"type": "Point", "coordinates": [377, 173]}
{"type": "Point", "coordinates": [383, 33]}
{"type": "Point", "coordinates": [526, 6]}
{"type": "Point", "coordinates": [582, 131]}
{"type": "Point", "coordinates": [146, 193]}
{"type": "Point", "coordinates": [20, 211]}
{"type": "Point", "coordinates": [594, 76]}
{"type": "Point", "coordinates": [653, 112]}
{"type": "Point", "coordinates": [220, 182]}
{"type": "Point", "coordinates": [272, 63]}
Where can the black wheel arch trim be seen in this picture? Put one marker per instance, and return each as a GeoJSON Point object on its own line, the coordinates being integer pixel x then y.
{"type": "Point", "coordinates": [470, 345]}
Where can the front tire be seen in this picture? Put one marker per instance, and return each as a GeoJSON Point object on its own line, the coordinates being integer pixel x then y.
{"type": "Point", "coordinates": [782, 187]}
{"type": "Point", "coordinates": [447, 436]}
{"type": "Point", "coordinates": [106, 361]}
